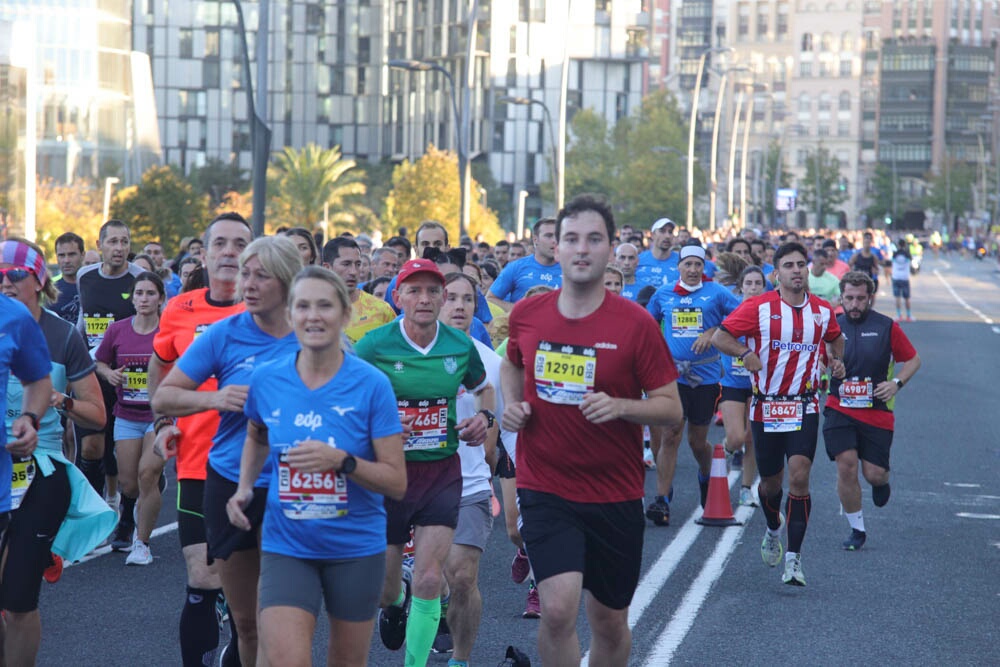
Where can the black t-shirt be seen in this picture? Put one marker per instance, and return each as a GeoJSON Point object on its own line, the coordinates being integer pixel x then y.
{"type": "Point", "coordinates": [103, 300]}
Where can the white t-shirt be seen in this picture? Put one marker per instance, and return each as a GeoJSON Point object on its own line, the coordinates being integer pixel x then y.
{"type": "Point", "coordinates": [900, 267]}
{"type": "Point", "coordinates": [476, 474]}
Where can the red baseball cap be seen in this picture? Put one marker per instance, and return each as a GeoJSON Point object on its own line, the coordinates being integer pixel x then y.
{"type": "Point", "coordinates": [416, 266]}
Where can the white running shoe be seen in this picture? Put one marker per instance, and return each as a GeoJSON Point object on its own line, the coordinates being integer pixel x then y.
{"type": "Point", "coordinates": [140, 554]}
{"type": "Point", "coordinates": [793, 575]}
{"type": "Point", "coordinates": [771, 548]}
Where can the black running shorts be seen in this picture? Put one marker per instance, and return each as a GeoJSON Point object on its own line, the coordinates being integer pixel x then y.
{"type": "Point", "coordinates": [698, 402]}
{"type": "Point", "coordinates": [842, 432]}
{"type": "Point", "coordinates": [772, 449]}
{"type": "Point", "coordinates": [601, 540]}
{"type": "Point", "coordinates": [223, 537]}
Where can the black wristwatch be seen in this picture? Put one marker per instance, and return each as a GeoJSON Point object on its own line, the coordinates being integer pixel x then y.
{"type": "Point", "coordinates": [349, 465]}
{"type": "Point", "coordinates": [67, 403]}
{"type": "Point", "coordinates": [491, 418]}
{"type": "Point", "coordinates": [899, 383]}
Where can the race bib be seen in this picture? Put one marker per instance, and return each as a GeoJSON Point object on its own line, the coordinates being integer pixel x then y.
{"type": "Point", "coordinates": [857, 393]}
{"type": "Point", "coordinates": [739, 369]}
{"type": "Point", "coordinates": [564, 373]}
{"type": "Point", "coordinates": [686, 322]}
{"type": "Point", "coordinates": [782, 416]}
{"type": "Point", "coordinates": [430, 423]}
{"type": "Point", "coordinates": [24, 472]}
{"type": "Point", "coordinates": [311, 495]}
{"type": "Point", "coordinates": [135, 388]}
{"type": "Point", "coordinates": [96, 326]}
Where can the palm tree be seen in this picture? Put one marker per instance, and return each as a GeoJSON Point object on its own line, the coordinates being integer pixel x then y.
{"type": "Point", "coordinates": [302, 182]}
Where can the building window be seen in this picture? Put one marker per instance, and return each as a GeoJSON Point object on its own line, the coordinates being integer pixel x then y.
{"type": "Point", "coordinates": [806, 68]}
{"type": "Point", "coordinates": [843, 128]}
{"type": "Point", "coordinates": [210, 73]}
{"type": "Point", "coordinates": [807, 41]}
{"type": "Point", "coordinates": [826, 42]}
{"type": "Point", "coordinates": [823, 130]}
{"type": "Point", "coordinates": [846, 42]}
{"type": "Point", "coordinates": [762, 21]}
{"type": "Point", "coordinates": [781, 27]}
{"type": "Point", "coordinates": [845, 67]}
{"type": "Point", "coordinates": [364, 50]}
{"type": "Point", "coordinates": [743, 22]}
{"type": "Point", "coordinates": [844, 101]}
{"type": "Point", "coordinates": [805, 104]}
{"type": "Point", "coordinates": [824, 102]}
{"type": "Point", "coordinates": [186, 43]}
{"type": "Point", "coordinates": [498, 136]}
{"type": "Point", "coordinates": [512, 72]}
{"type": "Point", "coordinates": [211, 43]}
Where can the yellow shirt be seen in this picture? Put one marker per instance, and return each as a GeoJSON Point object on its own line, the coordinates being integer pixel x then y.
{"type": "Point", "coordinates": [367, 313]}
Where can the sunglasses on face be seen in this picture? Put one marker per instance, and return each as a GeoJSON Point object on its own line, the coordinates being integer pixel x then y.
{"type": "Point", "coordinates": [15, 274]}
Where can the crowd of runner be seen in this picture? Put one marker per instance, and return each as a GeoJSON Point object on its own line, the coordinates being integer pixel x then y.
{"type": "Point", "coordinates": [338, 412]}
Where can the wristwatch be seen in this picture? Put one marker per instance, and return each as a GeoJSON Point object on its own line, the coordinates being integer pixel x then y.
{"type": "Point", "coordinates": [35, 421]}
{"type": "Point", "coordinates": [899, 383]}
{"type": "Point", "coordinates": [67, 403]}
{"type": "Point", "coordinates": [490, 418]}
{"type": "Point", "coordinates": [349, 465]}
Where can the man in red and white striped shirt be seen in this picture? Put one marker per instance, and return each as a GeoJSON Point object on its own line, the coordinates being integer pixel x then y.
{"type": "Point", "coordinates": [785, 332]}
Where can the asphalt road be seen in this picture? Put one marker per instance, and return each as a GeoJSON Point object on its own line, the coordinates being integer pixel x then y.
{"type": "Point", "coordinates": [923, 590]}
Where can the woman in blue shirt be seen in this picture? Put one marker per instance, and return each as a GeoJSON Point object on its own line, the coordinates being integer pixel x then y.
{"type": "Point", "coordinates": [734, 399]}
{"type": "Point", "coordinates": [230, 350]}
{"type": "Point", "coordinates": [327, 424]}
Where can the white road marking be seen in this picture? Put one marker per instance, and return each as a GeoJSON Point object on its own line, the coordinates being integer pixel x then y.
{"type": "Point", "coordinates": [687, 611]}
{"type": "Point", "coordinates": [657, 575]}
{"type": "Point", "coordinates": [103, 551]}
{"type": "Point", "coordinates": [962, 302]}
{"type": "Point", "coordinates": [996, 330]}
{"type": "Point", "coordinates": [973, 515]}
{"type": "Point", "coordinates": [962, 485]}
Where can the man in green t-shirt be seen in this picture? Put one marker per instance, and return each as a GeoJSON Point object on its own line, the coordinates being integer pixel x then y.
{"type": "Point", "coordinates": [822, 283]}
{"type": "Point", "coordinates": [426, 362]}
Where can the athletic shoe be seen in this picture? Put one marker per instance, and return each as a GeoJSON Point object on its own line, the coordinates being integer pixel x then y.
{"type": "Point", "coordinates": [747, 497]}
{"type": "Point", "coordinates": [658, 512]}
{"type": "Point", "coordinates": [647, 458]}
{"type": "Point", "coordinates": [520, 567]}
{"type": "Point", "coordinates": [442, 640]}
{"type": "Point", "coordinates": [793, 572]}
{"type": "Point", "coordinates": [392, 621]}
{"type": "Point", "coordinates": [880, 495]}
{"type": "Point", "coordinates": [736, 463]}
{"type": "Point", "coordinates": [140, 554]}
{"type": "Point", "coordinates": [122, 540]}
{"type": "Point", "coordinates": [221, 610]}
{"type": "Point", "coordinates": [703, 489]}
{"type": "Point", "coordinates": [533, 608]}
{"type": "Point", "coordinates": [856, 540]}
{"type": "Point", "coordinates": [54, 571]}
{"type": "Point", "coordinates": [771, 548]}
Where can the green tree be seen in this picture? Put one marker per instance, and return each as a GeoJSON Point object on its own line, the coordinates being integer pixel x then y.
{"type": "Point", "coordinates": [590, 156]}
{"type": "Point", "coordinates": [302, 182]}
{"type": "Point", "coordinates": [961, 177]}
{"type": "Point", "coordinates": [820, 191]}
{"type": "Point", "coordinates": [428, 189]}
{"type": "Point", "coordinates": [882, 186]}
{"type": "Point", "coordinates": [650, 154]}
{"type": "Point", "coordinates": [217, 178]}
{"type": "Point", "coordinates": [775, 176]}
{"type": "Point", "coordinates": [163, 206]}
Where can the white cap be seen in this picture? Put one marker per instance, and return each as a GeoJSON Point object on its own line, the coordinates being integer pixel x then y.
{"type": "Point", "coordinates": [662, 222]}
{"type": "Point", "coordinates": [693, 251]}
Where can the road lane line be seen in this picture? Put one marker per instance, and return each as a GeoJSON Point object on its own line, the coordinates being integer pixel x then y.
{"type": "Point", "coordinates": [682, 620]}
{"type": "Point", "coordinates": [962, 302]}
{"type": "Point", "coordinates": [103, 551]}
{"type": "Point", "coordinates": [656, 576]}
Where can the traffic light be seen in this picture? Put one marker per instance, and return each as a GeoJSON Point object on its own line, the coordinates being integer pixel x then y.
{"type": "Point", "coordinates": [843, 185]}
{"type": "Point", "coordinates": [888, 219]}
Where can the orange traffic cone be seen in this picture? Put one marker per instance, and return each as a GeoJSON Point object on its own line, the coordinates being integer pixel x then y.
{"type": "Point", "coordinates": [718, 509]}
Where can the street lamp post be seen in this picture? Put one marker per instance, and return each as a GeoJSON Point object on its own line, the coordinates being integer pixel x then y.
{"type": "Point", "coordinates": [108, 182]}
{"type": "Point", "coordinates": [557, 175]}
{"type": "Point", "coordinates": [691, 130]}
{"type": "Point", "coordinates": [463, 158]}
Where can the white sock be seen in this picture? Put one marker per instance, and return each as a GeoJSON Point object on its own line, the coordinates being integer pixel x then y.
{"type": "Point", "coordinates": [856, 519]}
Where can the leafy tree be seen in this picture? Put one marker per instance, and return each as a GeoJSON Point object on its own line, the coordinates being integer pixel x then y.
{"type": "Point", "coordinates": [961, 176]}
{"type": "Point", "coordinates": [217, 178]}
{"type": "Point", "coordinates": [822, 177]}
{"type": "Point", "coordinates": [651, 156]}
{"type": "Point", "coordinates": [164, 206]}
{"type": "Point", "coordinates": [302, 182]}
{"type": "Point", "coordinates": [882, 185]}
{"type": "Point", "coordinates": [428, 189]}
{"type": "Point", "coordinates": [772, 180]}
{"type": "Point", "coordinates": [61, 208]}
{"type": "Point", "coordinates": [590, 156]}
{"type": "Point", "coordinates": [378, 183]}
{"type": "Point", "coordinates": [239, 202]}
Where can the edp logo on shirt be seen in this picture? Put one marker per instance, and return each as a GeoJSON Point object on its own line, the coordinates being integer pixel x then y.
{"type": "Point", "coordinates": [310, 420]}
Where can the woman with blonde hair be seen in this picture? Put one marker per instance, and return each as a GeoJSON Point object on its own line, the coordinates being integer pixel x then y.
{"type": "Point", "coordinates": [230, 350]}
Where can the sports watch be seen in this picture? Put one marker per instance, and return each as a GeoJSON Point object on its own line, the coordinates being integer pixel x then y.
{"type": "Point", "coordinates": [899, 383]}
{"type": "Point", "coordinates": [490, 418]}
{"type": "Point", "coordinates": [349, 465]}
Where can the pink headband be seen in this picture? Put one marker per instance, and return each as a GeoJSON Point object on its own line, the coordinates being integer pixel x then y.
{"type": "Point", "coordinates": [21, 254]}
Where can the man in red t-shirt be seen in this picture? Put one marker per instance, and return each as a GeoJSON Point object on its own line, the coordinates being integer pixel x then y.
{"type": "Point", "coordinates": [858, 418]}
{"type": "Point", "coordinates": [785, 331]}
{"type": "Point", "coordinates": [578, 360]}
